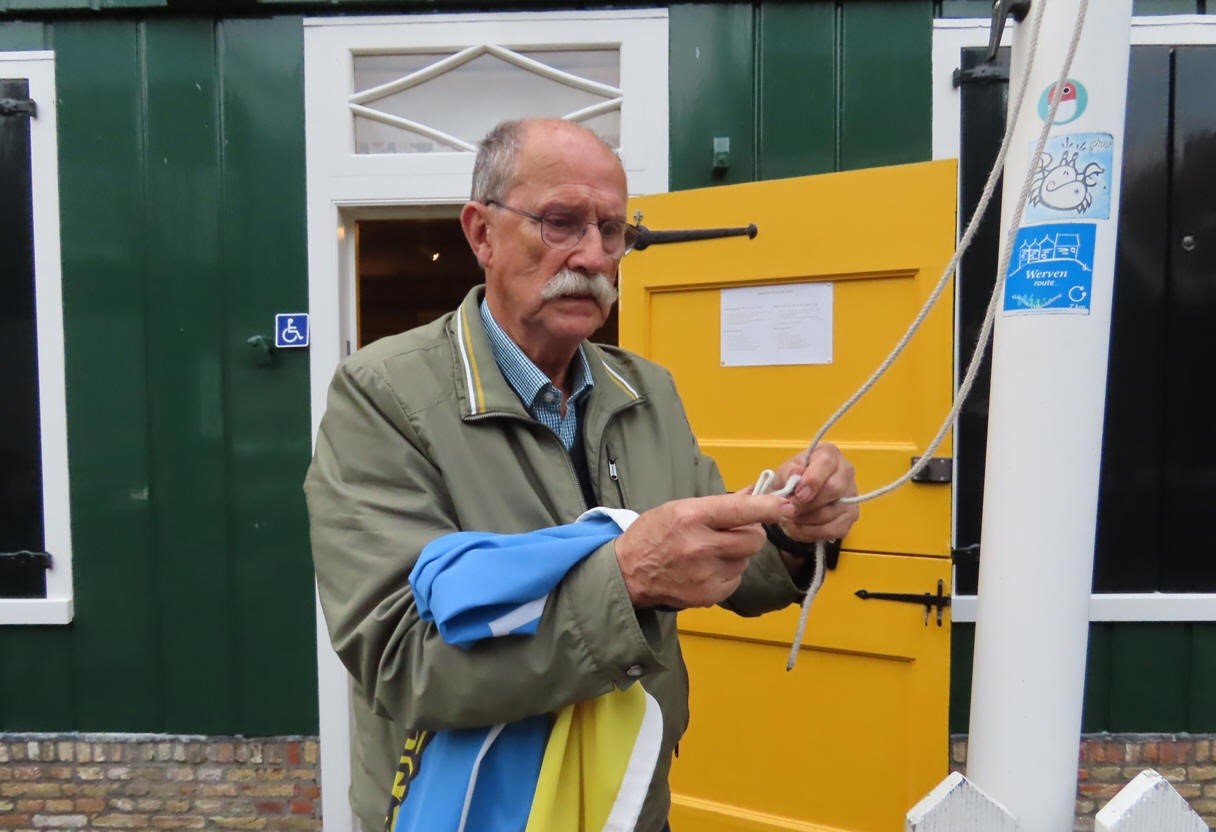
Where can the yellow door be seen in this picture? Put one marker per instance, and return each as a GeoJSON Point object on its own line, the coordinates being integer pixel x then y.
{"type": "Point", "coordinates": [857, 733]}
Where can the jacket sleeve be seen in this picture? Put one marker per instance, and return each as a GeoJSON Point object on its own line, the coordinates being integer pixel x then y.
{"type": "Point", "coordinates": [374, 500]}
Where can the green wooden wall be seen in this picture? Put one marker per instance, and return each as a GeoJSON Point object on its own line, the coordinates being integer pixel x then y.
{"type": "Point", "coordinates": [182, 203]}
{"type": "Point", "coordinates": [182, 191]}
{"type": "Point", "coordinates": [1139, 678]}
{"type": "Point", "coordinates": [799, 88]}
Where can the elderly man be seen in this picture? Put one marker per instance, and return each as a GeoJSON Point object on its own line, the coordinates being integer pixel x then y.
{"type": "Point", "coordinates": [501, 418]}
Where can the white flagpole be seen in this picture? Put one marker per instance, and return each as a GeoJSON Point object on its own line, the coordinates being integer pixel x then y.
{"type": "Point", "coordinates": [1045, 425]}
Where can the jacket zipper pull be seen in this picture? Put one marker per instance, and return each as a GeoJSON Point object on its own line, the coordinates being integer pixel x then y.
{"type": "Point", "coordinates": [615, 476]}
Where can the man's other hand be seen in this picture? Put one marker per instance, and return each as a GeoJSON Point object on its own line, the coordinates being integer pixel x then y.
{"type": "Point", "coordinates": [818, 514]}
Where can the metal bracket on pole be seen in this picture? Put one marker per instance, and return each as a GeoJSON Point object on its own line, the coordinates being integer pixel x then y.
{"type": "Point", "coordinates": [1001, 10]}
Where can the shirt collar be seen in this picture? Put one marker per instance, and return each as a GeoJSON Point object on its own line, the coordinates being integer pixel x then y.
{"type": "Point", "coordinates": [525, 378]}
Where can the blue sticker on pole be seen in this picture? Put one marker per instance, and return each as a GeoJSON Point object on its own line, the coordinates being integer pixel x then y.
{"type": "Point", "coordinates": [1051, 269]}
{"type": "Point", "coordinates": [1072, 178]}
{"type": "Point", "coordinates": [291, 330]}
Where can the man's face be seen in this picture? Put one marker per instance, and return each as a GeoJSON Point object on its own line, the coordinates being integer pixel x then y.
{"type": "Point", "coordinates": [558, 169]}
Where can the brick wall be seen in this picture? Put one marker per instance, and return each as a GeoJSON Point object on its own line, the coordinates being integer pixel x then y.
{"type": "Point", "coordinates": [144, 782]}
{"type": "Point", "coordinates": [150, 782]}
{"type": "Point", "coordinates": [1109, 761]}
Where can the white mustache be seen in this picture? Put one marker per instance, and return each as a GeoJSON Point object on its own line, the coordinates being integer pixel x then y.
{"type": "Point", "coordinates": [569, 283]}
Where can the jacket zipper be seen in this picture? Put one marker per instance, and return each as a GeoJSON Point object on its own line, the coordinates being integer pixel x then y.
{"type": "Point", "coordinates": [614, 475]}
{"type": "Point", "coordinates": [613, 471]}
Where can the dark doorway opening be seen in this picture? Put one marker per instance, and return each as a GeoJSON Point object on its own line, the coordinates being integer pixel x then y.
{"type": "Point", "coordinates": [410, 271]}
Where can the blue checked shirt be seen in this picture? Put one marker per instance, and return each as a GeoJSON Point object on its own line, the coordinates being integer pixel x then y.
{"type": "Point", "coordinates": [538, 393]}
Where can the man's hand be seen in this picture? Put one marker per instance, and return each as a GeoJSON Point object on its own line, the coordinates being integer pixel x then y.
{"type": "Point", "coordinates": [827, 478]}
{"type": "Point", "coordinates": [692, 552]}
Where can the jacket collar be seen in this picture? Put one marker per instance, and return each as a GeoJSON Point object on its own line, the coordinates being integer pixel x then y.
{"type": "Point", "coordinates": [482, 389]}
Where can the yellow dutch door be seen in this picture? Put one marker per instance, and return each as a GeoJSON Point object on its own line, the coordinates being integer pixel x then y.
{"type": "Point", "coordinates": [857, 732]}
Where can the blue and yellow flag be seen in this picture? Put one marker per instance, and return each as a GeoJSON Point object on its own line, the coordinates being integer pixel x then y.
{"type": "Point", "coordinates": [585, 769]}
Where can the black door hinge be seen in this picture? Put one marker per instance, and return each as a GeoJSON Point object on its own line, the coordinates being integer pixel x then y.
{"type": "Point", "coordinates": [18, 107]}
{"type": "Point", "coordinates": [969, 555]}
{"type": "Point", "coordinates": [981, 74]}
{"type": "Point", "coordinates": [37, 560]}
{"type": "Point", "coordinates": [939, 470]}
{"type": "Point", "coordinates": [939, 601]}
{"type": "Point", "coordinates": [23, 574]}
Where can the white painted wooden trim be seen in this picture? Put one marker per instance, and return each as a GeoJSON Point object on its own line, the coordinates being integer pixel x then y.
{"type": "Point", "coordinates": [344, 186]}
{"type": "Point", "coordinates": [1145, 606]}
{"type": "Point", "coordinates": [1148, 804]}
{"type": "Point", "coordinates": [958, 805]}
{"type": "Point", "coordinates": [405, 123]}
{"type": "Point", "coordinates": [950, 36]}
{"type": "Point", "coordinates": [36, 611]}
{"type": "Point", "coordinates": [333, 706]}
{"type": "Point", "coordinates": [57, 608]}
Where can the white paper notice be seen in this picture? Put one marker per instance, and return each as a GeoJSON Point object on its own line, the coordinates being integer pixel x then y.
{"type": "Point", "coordinates": [786, 324]}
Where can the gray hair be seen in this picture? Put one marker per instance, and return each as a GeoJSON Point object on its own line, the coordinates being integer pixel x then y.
{"type": "Point", "coordinates": [494, 168]}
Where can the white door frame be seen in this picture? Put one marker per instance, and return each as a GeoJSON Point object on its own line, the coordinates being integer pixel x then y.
{"type": "Point", "coordinates": [949, 37]}
{"type": "Point", "coordinates": [38, 69]}
{"type": "Point", "coordinates": [344, 186]}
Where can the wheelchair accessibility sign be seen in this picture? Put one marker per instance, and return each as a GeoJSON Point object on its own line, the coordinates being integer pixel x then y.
{"type": "Point", "coordinates": [1051, 269]}
{"type": "Point", "coordinates": [291, 330]}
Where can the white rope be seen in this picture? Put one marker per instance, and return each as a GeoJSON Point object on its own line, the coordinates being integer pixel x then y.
{"type": "Point", "coordinates": [981, 346]}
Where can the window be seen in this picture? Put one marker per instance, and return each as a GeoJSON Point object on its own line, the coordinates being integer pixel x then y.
{"type": "Point", "coordinates": [396, 95]}
{"type": "Point", "coordinates": [35, 537]}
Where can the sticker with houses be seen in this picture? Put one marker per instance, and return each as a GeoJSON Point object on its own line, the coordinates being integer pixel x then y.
{"type": "Point", "coordinates": [1051, 269]}
{"type": "Point", "coordinates": [1072, 178]}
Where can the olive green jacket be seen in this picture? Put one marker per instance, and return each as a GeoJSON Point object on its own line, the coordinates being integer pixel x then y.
{"type": "Point", "coordinates": [423, 436]}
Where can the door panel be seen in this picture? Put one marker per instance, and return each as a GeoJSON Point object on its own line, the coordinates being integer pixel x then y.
{"type": "Point", "coordinates": [840, 743]}
{"type": "Point", "coordinates": [858, 733]}
{"type": "Point", "coordinates": [1190, 471]}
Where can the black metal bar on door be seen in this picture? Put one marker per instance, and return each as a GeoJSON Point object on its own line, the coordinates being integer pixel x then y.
{"type": "Point", "coordinates": [652, 238]}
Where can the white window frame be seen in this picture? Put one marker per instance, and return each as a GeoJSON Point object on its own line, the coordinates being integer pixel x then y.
{"type": "Point", "coordinates": [949, 37]}
{"type": "Point", "coordinates": [344, 187]}
{"type": "Point", "coordinates": [57, 607]}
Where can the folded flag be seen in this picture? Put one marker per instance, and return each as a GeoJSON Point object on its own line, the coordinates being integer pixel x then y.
{"type": "Point", "coordinates": [585, 769]}
{"type": "Point", "coordinates": [475, 585]}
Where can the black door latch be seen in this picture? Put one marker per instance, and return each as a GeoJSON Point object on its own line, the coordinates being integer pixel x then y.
{"type": "Point", "coordinates": [939, 601]}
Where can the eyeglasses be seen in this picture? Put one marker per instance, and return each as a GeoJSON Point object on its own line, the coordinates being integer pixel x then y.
{"type": "Point", "coordinates": [563, 230]}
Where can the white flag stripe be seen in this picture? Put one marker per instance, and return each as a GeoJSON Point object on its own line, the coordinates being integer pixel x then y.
{"type": "Point", "coordinates": [639, 771]}
{"type": "Point", "coordinates": [516, 618]}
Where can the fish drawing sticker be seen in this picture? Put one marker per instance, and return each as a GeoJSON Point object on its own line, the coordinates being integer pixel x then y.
{"type": "Point", "coordinates": [1072, 178]}
{"type": "Point", "coordinates": [1051, 269]}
